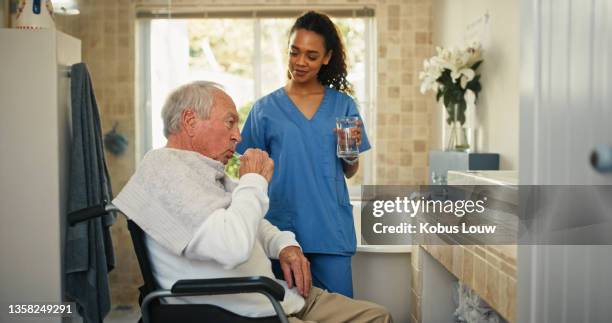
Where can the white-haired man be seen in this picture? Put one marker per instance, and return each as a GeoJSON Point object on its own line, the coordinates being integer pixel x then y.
{"type": "Point", "coordinates": [201, 224]}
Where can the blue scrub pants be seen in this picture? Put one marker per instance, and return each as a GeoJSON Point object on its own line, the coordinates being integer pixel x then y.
{"type": "Point", "coordinates": [330, 272]}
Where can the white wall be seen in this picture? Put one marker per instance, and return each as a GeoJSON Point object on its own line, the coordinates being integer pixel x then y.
{"type": "Point", "coordinates": [497, 110]}
{"type": "Point", "coordinates": [566, 108]}
{"type": "Point", "coordinates": [35, 141]}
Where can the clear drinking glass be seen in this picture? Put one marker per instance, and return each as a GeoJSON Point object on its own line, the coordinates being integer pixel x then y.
{"type": "Point", "coordinates": [347, 143]}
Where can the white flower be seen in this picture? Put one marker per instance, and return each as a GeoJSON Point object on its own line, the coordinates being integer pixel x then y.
{"type": "Point", "coordinates": [458, 63]}
{"type": "Point", "coordinates": [431, 72]}
{"type": "Point", "coordinates": [466, 74]}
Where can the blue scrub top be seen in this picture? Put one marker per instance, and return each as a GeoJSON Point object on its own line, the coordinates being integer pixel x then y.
{"type": "Point", "coordinates": [308, 193]}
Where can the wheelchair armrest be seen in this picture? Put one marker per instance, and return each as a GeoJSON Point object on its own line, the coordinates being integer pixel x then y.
{"type": "Point", "coordinates": [233, 285]}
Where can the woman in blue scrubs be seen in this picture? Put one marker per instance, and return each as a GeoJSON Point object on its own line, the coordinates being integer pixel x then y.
{"type": "Point", "coordinates": [295, 125]}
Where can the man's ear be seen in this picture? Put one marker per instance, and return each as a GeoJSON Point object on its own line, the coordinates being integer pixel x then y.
{"type": "Point", "coordinates": [327, 57]}
{"type": "Point", "coordinates": [189, 121]}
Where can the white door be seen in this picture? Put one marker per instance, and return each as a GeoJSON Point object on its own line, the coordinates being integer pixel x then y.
{"type": "Point", "coordinates": [566, 111]}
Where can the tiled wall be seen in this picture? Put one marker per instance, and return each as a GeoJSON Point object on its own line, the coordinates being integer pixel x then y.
{"type": "Point", "coordinates": [403, 118]}
{"type": "Point", "coordinates": [106, 29]}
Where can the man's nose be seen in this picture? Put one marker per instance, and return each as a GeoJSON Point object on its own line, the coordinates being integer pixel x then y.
{"type": "Point", "coordinates": [236, 135]}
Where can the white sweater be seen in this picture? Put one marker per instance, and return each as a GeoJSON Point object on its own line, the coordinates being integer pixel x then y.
{"type": "Point", "coordinates": [199, 224]}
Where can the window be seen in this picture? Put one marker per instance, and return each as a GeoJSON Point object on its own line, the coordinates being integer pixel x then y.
{"type": "Point", "coordinates": [248, 56]}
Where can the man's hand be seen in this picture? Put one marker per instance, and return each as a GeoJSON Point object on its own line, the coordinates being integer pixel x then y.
{"type": "Point", "coordinates": [257, 161]}
{"type": "Point", "coordinates": [296, 269]}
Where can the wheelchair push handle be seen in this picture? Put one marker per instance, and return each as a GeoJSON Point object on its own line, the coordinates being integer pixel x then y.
{"type": "Point", "coordinates": [89, 213]}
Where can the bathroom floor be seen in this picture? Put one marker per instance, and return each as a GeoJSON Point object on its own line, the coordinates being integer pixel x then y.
{"type": "Point", "coordinates": [117, 315]}
{"type": "Point", "coordinates": [123, 316]}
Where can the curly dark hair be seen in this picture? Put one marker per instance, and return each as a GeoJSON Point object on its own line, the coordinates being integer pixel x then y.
{"type": "Point", "coordinates": [334, 73]}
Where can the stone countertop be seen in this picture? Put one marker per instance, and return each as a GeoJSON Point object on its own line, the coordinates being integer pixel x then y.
{"type": "Point", "coordinates": [483, 177]}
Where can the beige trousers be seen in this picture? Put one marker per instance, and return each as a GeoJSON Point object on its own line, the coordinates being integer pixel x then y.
{"type": "Point", "coordinates": [324, 307]}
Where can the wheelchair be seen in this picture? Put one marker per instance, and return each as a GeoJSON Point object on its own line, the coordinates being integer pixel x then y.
{"type": "Point", "coordinates": [153, 310]}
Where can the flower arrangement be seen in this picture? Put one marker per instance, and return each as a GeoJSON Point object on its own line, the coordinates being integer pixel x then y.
{"type": "Point", "coordinates": [451, 74]}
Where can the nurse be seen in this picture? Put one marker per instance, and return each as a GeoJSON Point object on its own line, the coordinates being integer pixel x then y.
{"type": "Point", "coordinates": [295, 125]}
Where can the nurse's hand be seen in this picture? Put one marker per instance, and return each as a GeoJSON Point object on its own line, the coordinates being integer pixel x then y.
{"type": "Point", "coordinates": [256, 161]}
{"type": "Point", "coordinates": [296, 269]}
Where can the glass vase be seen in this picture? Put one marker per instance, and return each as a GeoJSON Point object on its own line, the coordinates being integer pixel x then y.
{"type": "Point", "coordinates": [457, 138]}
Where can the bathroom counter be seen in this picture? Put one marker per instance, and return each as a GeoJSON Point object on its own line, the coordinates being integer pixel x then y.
{"type": "Point", "coordinates": [489, 270]}
{"type": "Point", "coordinates": [483, 177]}
{"type": "Point", "coordinates": [384, 248]}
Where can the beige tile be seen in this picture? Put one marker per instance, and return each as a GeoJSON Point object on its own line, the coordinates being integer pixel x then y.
{"type": "Point", "coordinates": [503, 295]}
{"type": "Point", "coordinates": [382, 53]}
{"type": "Point", "coordinates": [491, 294]}
{"type": "Point", "coordinates": [393, 176]}
{"type": "Point", "coordinates": [419, 146]}
{"type": "Point", "coordinates": [381, 121]}
{"type": "Point", "coordinates": [406, 120]}
{"type": "Point", "coordinates": [479, 250]}
{"type": "Point", "coordinates": [493, 249]}
{"type": "Point", "coordinates": [405, 146]}
{"type": "Point", "coordinates": [393, 10]}
{"type": "Point", "coordinates": [393, 24]}
{"type": "Point", "coordinates": [421, 37]}
{"type": "Point", "coordinates": [511, 295]}
{"type": "Point", "coordinates": [480, 275]}
{"type": "Point", "coordinates": [420, 118]}
{"type": "Point", "coordinates": [508, 253]}
{"type": "Point", "coordinates": [421, 23]}
{"type": "Point", "coordinates": [393, 118]}
{"type": "Point", "coordinates": [508, 269]}
{"type": "Point", "coordinates": [408, 63]}
{"type": "Point", "coordinates": [382, 80]}
{"type": "Point", "coordinates": [406, 24]}
{"type": "Point", "coordinates": [457, 261]}
{"type": "Point", "coordinates": [446, 257]}
{"type": "Point", "coordinates": [407, 51]}
{"type": "Point", "coordinates": [468, 267]}
{"type": "Point", "coordinates": [406, 160]}
{"type": "Point", "coordinates": [492, 259]}
{"type": "Point", "coordinates": [419, 160]}
{"type": "Point", "coordinates": [407, 78]}
{"type": "Point", "coordinates": [434, 250]}
{"type": "Point", "coordinates": [407, 107]}
{"type": "Point", "coordinates": [394, 92]}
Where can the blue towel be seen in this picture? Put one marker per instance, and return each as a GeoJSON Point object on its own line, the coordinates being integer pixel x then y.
{"type": "Point", "coordinates": [88, 251]}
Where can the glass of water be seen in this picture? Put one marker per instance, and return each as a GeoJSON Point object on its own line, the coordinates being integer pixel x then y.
{"type": "Point", "coordinates": [347, 142]}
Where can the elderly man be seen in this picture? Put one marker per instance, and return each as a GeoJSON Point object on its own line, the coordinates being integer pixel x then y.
{"type": "Point", "coordinates": [201, 224]}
